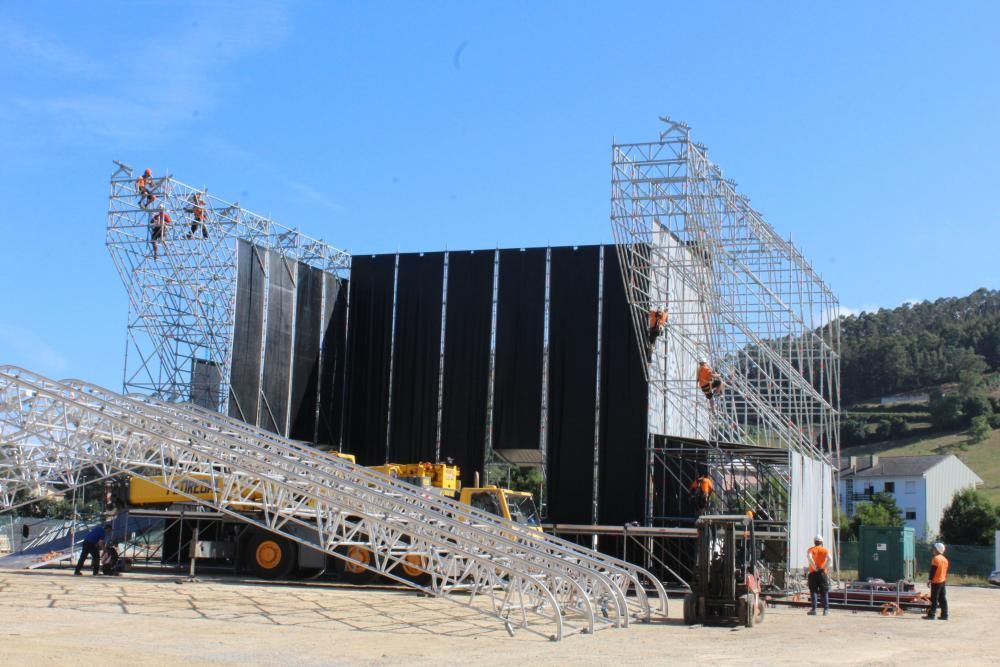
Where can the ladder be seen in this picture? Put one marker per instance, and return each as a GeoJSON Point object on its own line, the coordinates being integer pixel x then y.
{"type": "Point", "coordinates": [49, 430]}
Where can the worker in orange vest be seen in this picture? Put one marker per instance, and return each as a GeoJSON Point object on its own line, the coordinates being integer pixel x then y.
{"type": "Point", "coordinates": [709, 381]}
{"type": "Point", "coordinates": [657, 323]}
{"type": "Point", "coordinates": [937, 580]}
{"type": "Point", "coordinates": [198, 218]}
{"type": "Point", "coordinates": [144, 186]}
{"type": "Point", "coordinates": [701, 489]}
{"type": "Point", "coordinates": [819, 574]}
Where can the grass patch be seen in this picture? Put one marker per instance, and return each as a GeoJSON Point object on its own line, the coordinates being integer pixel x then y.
{"type": "Point", "coordinates": [983, 457]}
{"type": "Point", "coordinates": [953, 579]}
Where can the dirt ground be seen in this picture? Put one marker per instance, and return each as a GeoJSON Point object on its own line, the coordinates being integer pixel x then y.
{"type": "Point", "coordinates": [143, 619]}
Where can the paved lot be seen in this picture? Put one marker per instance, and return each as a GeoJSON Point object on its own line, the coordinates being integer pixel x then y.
{"type": "Point", "coordinates": [55, 618]}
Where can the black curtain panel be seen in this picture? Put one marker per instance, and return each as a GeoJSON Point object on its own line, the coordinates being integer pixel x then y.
{"type": "Point", "coordinates": [273, 409]}
{"type": "Point", "coordinates": [244, 378]}
{"type": "Point", "coordinates": [624, 403]}
{"type": "Point", "coordinates": [332, 371]}
{"type": "Point", "coordinates": [573, 313]}
{"type": "Point", "coordinates": [465, 390]}
{"type": "Point", "coordinates": [369, 340]}
{"type": "Point", "coordinates": [417, 358]}
{"type": "Point", "coordinates": [305, 353]}
{"type": "Point", "coordinates": [517, 389]}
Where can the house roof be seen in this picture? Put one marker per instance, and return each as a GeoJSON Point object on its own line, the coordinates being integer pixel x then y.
{"type": "Point", "coordinates": [891, 466]}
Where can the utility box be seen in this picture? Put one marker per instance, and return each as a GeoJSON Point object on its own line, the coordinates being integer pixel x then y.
{"type": "Point", "coordinates": [886, 553]}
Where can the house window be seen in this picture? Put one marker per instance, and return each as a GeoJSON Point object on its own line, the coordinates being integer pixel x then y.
{"type": "Point", "coordinates": [911, 515]}
{"type": "Point", "coordinates": [890, 487]}
{"type": "Point", "coordinates": [910, 486]}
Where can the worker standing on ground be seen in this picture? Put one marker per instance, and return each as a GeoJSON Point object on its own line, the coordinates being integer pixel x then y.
{"type": "Point", "coordinates": [937, 580]}
{"type": "Point", "coordinates": [819, 574]}
{"type": "Point", "coordinates": [157, 228]}
{"type": "Point", "coordinates": [709, 381]}
{"type": "Point", "coordinates": [657, 323]}
{"type": "Point", "coordinates": [144, 186]}
{"type": "Point", "coordinates": [701, 489]}
{"type": "Point", "coordinates": [198, 218]}
{"type": "Point", "coordinates": [93, 542]}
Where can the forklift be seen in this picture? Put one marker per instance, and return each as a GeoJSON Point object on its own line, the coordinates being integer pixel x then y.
{"type": "Point", "coordinates": [726, 588]}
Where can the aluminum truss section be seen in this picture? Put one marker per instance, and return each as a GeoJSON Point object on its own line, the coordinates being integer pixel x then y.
{"type": "Point", "coordinates": [182, 304]}
{"type": "Point", "coordinates": [301, 499]}
{"type": "Point", "coordinates": [643, 594]}
{"type": "Point", "coordinates": [734, 291]}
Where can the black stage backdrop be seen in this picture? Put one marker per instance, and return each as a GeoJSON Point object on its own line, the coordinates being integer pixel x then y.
{"type": "Point", "coordinates": [416, 361]}
{"type": "Point", "coordinates": [369, 340]}
{"type": "Point", "coordinates": [244, 378]}
{"type": "Point", "coordinates": [273, 411]}
{"type": "Point", "coordinates": [574, 276]}
{"type": "Point", "coordinates": [331, 384]}
{"type": "Point", "coordinates": [467, 360]}
{"type": "Point", "coordinates": [520, 338]}
{"type": "Point", "coordinates": [305, 360]}
{"type": "Point", "coordinates": [624, 403]}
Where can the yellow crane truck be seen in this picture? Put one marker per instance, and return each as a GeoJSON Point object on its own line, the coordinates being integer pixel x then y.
{"type": "Point", "coordinates": [269, 556]}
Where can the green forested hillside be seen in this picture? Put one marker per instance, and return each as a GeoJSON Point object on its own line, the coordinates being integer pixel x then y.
{"type": "Point", "coordinates": [949, 348]}
{"type": "Point", "coordinates": [919, 345]}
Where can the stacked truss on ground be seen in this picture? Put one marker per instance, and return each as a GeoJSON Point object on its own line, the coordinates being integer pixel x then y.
{"type": "Point", "coordinates": [50, 431]}
{"type": "Point", "coordinates": [736, 294]}
{"type": "Point", "coordinates": [182, 304]}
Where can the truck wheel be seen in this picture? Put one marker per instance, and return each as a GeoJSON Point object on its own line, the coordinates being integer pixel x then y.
{"type": "Point", "coordinates": [413, 568]}
{"type": "Point", "coordinates": [353, 573]}
{"type": "Point", "coordinates": [269, 556]}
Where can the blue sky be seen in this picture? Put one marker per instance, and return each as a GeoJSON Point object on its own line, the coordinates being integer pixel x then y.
{"type": "Point", "coordinates": [866, 131]}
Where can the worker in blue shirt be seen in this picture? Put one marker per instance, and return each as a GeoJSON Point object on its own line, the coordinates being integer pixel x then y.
{"type": "Point", "coordinates": [93, 542]}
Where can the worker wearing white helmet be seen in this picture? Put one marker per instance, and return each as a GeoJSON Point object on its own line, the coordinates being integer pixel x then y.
{"type": "Point", "coordinates": [819, 574]}
{"type": "Point", "coordinates": [937, 580]}
{"type": "Point", "coordinates": [157, 228]}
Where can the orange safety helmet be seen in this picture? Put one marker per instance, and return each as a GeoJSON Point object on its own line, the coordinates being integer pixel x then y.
{"type": "Point", "coordinates": [148, 172]}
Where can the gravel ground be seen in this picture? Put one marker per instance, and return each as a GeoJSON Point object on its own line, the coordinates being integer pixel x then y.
{"type": "Point", "coordinates": [55, 618]}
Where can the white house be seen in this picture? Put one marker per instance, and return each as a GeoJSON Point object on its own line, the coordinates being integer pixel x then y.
{"type": "Point", "coordinates": [923, 486]}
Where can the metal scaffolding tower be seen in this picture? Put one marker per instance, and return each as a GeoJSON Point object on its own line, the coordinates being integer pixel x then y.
{"type": "Point", "coordinates": [734, 292]}
{"type": "Point", "coordinates": [50, 431]}
{"type": "Point", "coordinates": [182, 303]}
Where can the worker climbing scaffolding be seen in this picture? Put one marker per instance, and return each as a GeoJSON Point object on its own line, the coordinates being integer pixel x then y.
{"type": "Point", "coordinates": [198, 216]}
{"type": "Point", "coordinates": [657, 324]}
{"type": "Point", "coordinates": [157, 229]}
{"type": "Point", "coordinates": [709, 381]}
{"type": "Point", "coordinates": [144, 186]}
{"type": "Point", "coordinates": [701, 491]}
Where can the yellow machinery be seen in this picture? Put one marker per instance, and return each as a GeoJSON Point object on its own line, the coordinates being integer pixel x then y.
{"type": "Point", "coordinates": [518, 506]}
{"type": "Point", "coordinates": [145, 492]}
{"type": "Point", "coordinates": [432, 475]}
{"type": "Point", "coordinates": [271, 557]}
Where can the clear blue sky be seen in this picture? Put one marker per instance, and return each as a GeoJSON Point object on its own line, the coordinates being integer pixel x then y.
{"type": "Point", "coordinates": [868, 131]}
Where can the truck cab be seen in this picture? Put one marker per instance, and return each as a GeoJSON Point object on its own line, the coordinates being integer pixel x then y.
{"type": "Point", "coordinates": [517, 506]}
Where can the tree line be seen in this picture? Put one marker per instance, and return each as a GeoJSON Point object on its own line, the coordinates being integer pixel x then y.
{"type": "Point", "coordinates": [919, 345]}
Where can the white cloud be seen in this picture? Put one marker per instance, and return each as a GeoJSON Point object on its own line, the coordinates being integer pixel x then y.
{"type": "Point", "coordinates": [167, 81]}
{"type": "Point", "coordinates": [314, 195]}
{"type": "Point", "coordinates": [848, 311]}
{"type": "Point", "coordinates": [25, 348]}
{"type": "Point", "coordinates": [21, 43]}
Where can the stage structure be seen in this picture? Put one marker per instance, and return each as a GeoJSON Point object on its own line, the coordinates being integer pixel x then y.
{"type": "Point", "coordinates": [735, 293]}
{"type": "Point", "coordinates": [183, 303]}
{"type": "Point", "coordinates": [739, 296]}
